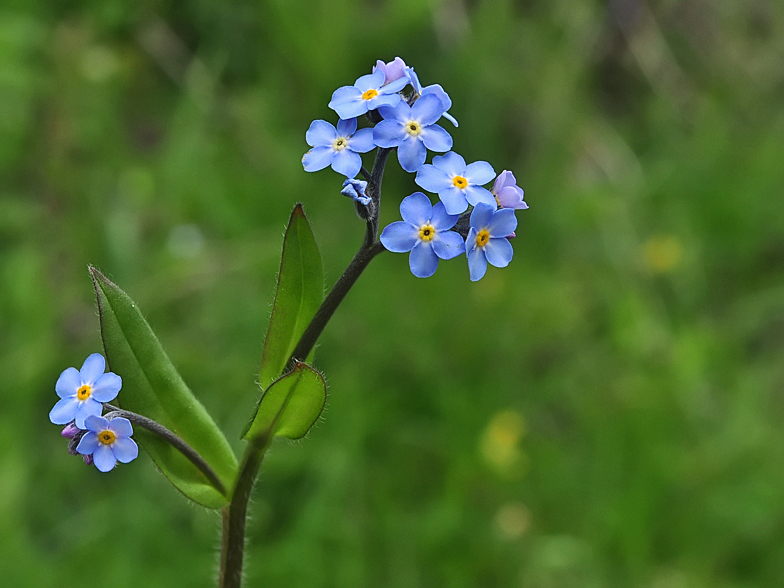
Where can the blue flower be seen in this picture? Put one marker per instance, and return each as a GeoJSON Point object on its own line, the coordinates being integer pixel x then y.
{"type": "Point", "coordinates": [507, 193]}
{"type": "Point", "coordinates": [339, 147]}
{"type": "Point", "coordinates": [424, 231]}
{"type": "Point", "coordinates": [82, 392]}
{"type": "Point", "coordinates": [355, 189]}
{"type": "Point", "coordinates": [108, 442]}
{"type": "Point", "coordinates": [368, 93]}
{"type": "Point", "coordinates": [456, 183]}
{"type": "Point", "coordinates": [487, 239]}
{"type": "Point", "coordinates": [436, 89]}
{"type": "Point", "coordinates": [413, 131]}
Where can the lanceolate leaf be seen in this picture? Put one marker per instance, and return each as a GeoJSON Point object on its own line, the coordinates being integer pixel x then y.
{"type": "Point", "coordinates": [299, 294]}
{"type": "Point", "coordinates": [153, 388]}
{"type": "Point", "coordinates": [290, 405]}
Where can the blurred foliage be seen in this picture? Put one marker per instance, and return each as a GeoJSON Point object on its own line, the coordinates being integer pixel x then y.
{"type": "Point", "coordinates": [606, 412]}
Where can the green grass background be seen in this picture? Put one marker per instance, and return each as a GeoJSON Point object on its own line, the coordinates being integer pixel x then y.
{"type": "Point", "coordinates": [605, 412]}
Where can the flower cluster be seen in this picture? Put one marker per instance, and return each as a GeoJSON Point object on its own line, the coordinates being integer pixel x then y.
{"type": "Point", "coordinates": [469, 218]}
{"type": "Point", "coordinates": [98, 440]}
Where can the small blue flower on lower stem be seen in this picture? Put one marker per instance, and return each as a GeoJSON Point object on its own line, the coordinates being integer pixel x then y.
{"type": "Point", "coordinates": [368, 93]}
{"type": "Point", "coordinates": [456, 183]}
{"type": "Point", "coordinates": [355, 189]}
{"type": "Point", "coordinates": [424, 231]}
{"type": "Point", "coordinates": [339, 147]}
{"type": "Point", "coordinates": [108, 442]}
{"type": "Point", "coordinates": [487, 239]}
{"type": "Point", "coordinates": [413, 131]}
{"type": "Point", "coordinates": [83, 392]}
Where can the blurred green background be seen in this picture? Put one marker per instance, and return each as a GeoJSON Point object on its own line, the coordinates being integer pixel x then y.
{"type": "Point", "coordinates": [605, 412]}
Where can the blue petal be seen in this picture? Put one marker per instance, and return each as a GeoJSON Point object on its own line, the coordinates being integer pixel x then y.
{"type": "Point", "coordinates": [125, 450]}
{"type": "Point", "coordinates": [503, 223]}
{"type": "Point", "coordinates": [103, 457]}
{"type": "Point", "coordinates": [121, 426]}
{"type": "Point", "coordinates": [394, 86]}
{"type": "Point", "coordinates": [346, 127]}
{"type": "Point", "coordinates": [362, 141]}
{"type": "Point", "coordinates": [317, 158]}
{"type": "Point", "coordinates": [479, 172]}
{"type": "Point", "coordinates": [423, 261]}
{"type": "Point", "coordinates": [347, 162]}
{"type": "Point", "coordinates": [401, 112]}
{"type": "Point", "coordinates": [450, 163]}
{"type": "Point", "coordinates": [86, 409]}
{"type": "Point", "coordinates": [477, 262]}
{"type": "Point", "coordinates": [344, 95]}
{"type": "Point", "coordinates": [432, 179]}
{"type": "Point", "coordinates": [95, 423]}
{"type": "Point", "coordinates": [436, 138]}
{"type": "Point", "coordinates": [64, 411]}
{"type": "Point", "coordinates": [454, 200]}
{"type": "Point", "coordinates": [499, 251]}
{"type": "Point", "coordinates": [321, 134]}
{"type": "Point", "coordinates": [481, 215]}
{"type": "Point", "coordinates": [68, 383]}
{"type": "Point", "coordinates": [372, 80]}
{"type": "Point", "coordinates": [414, 81]}
{"type": "Point", "coordinates": [87, 443]}
{"type": "Point", "coordinates": [107, 387]}
{"type": "Point", "coordinates": [437, 90]}
{"type": "Point", "coordinates": [451, 119]}
{"type": "Point", "coordinates": [388, 133]}
{"type": "Point", "coordinates": [476, 195]}
{"type": "Point", "coordinates": [398, 237]}
{"type": "Point", "coordinates": [411, 154]}
{"type": "Point", "coordinates": [383, 100]}
{"type": "Point", "coordinates": [416, 209]}
{"type": "Point", "coordinates": [427, 110]}
{"type": "Point", "coordinates": [351, 109]}
{"type": "Point", "coordinates": [439, 218]}
{"type": "Point", "coordinates": [448, 244]}
{"type": "Point", "coordinates": [92, 369]}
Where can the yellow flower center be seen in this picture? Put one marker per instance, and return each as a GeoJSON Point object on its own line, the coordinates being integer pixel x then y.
{"type": "Point", "coordinates": [427, 232]}
{"type": "Point", "coordinates": [413, 128]}
{"type": "Point", "coordinates": [482, 237]}
{"type": "Point", "coordinates": [460, 182]}
{"type": "Point", "coordinates": [369, 94]}
{"type": "Point", "coordinates": [107, 437]}
{"type": "Point", "coordinates": [340, 144]}
{"type": "Point", "coordinates": [84, 392]}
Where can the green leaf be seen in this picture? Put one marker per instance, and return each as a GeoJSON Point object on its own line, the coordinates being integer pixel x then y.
{"type": "Point", "coordinates": [290, 405]}
{"type": "Point", "coordinates": [153, 388]}
{"type": "Point", "coordinates": [299, 294]}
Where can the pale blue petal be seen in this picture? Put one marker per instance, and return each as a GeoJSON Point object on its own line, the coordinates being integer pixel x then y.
{"type": "Point", "coordinates": [125, 450]}
{"type": "Point", "coordinates": [64, 411]}
{"type": "Point", "coordinates": [394, 86]}
{"type": "Point", "coordinates": [362, 141]}
{"type": "Point", "coordinates": [411, 154]}
{"type": "Point", "coordinates": [416, 209]}
{"type": "Point", "coordinates": [103, 458]}
{"type": "Point", "coordinates": [87, 444]}
{"type": "Point", "coordinates": [437, 90]}
{"type": "Point", "coordinates": [317, 158]}
{"type": "Point", "coordinates": [398, 237]}
{"type": "Point", "coordinates": [414, 81]}
{"type": "Point", "coordinates": [448, 244]}
{"type": "Point", "coordinates": [481, 215]}
{"type": "Point", "coordinates": [346, 127]}
{"type": "Point", "coordinates": [478, 195]}
{"type": "Point", "coordinates": [121, 426]}
{"type": "Point", "coordinates": [68, 383]}
{"type": "Point", "coordinates": [96, 424]}
{"type": "Point", "coordinates": [427, 110]}
{"type": "Point", "coordinates": [400, 112]}
{"type": "Point", "coordinates": [439, 218]}
{"type": "Point", "coordinates": [320, 134]}
{"type": "Point", "coordinates": [451, 163]}
{"type": "Point", "coordinates": [499, 252]}
{"type": "Point", "coordinates": [423, 261]}
{"type": "Point", "coordinates": [436, 138]}
{"type": "Point", "coordinates": [344, 95]}
{"type": "Point", "coordinates": [477, 262]}
{"type": "Point", "coordinates": [372, 80]}
{"type": "Point", "coordinates": [479, 173]}
{"type": "Point", "coordinates": [388, 133]}
{"type": "Point", "coordinates": [351, 109]}
{"type": "Point", "coordinates": [432, 179]}
{"type": "Point", "coordinates": [92, 368]}
{"type": "Point", "coordinates": [503, 223]}
{"type": "Point", "coordinates": [453, 199]}
{"type": "Point", "coordinates": [451, 119]}
{"type": "Point", "coordinates": [347, 162]}
{"type": "Point", "coordinates": [388, 100]}
{"type": "Point", "coordinates": [87, 408]}
{"type": "Point", "coordinates": [107, 387]}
